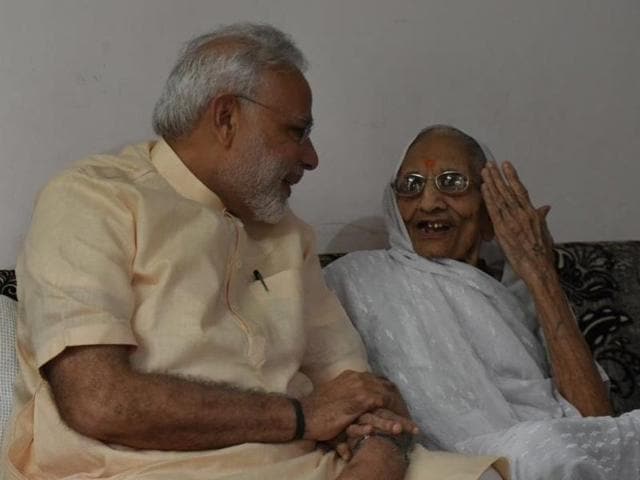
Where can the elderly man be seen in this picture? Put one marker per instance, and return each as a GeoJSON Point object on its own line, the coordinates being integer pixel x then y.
{"type": "Point", "coordinates": [174, 322]}
{"type": "Point", "coordinates": [486, 367]}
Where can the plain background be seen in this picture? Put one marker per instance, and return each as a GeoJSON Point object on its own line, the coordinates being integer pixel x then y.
{"type": "Point", "coordinates": [552, 85]}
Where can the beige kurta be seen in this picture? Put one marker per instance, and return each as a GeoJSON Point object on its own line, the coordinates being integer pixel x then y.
{"type": "Point", "coordinates": [133, 249]}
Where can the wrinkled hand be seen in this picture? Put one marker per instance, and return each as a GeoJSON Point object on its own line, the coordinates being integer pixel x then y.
{"type": "Point", "coordinates": [378, 421]}
{"type": "Point", "coordinates": [335, 405]}
{"type": "Point", "coordinates": [520, 229]}
{"type": "Point", "coordinates": [381, 421]}
{"type": "Point", "coordinates": [377, 459]}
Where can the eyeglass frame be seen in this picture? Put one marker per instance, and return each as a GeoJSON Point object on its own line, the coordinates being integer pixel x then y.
{"type": "Point", "coordinates": [468, 182]}
{"type": "Point", "coordinates": [306, 129]}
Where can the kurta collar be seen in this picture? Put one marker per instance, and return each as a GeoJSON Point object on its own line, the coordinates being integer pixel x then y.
{"type": "Point", "coordinates": [174, 171]}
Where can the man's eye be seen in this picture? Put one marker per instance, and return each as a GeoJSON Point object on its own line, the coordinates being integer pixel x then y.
{"type": "Point", "coordinates": [299, 132]}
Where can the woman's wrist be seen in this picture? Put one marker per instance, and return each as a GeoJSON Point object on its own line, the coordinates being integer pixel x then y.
{"type": "Point", "coordinates": [401, 444]}
{"type": "Point", "coordinates": [380, 458]}
{"type": "Point", "coordinates": [543, 279]}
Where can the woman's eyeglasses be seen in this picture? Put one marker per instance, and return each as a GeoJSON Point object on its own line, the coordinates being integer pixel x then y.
{"type": "Point", "coordinates": [413, 184]}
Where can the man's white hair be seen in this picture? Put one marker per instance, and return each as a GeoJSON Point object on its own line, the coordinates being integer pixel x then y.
{"type": "Point", "coordinates": [231, 59]}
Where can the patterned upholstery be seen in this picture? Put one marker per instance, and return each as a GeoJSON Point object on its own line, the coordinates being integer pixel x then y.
{"type": "Point", "coordinates": [602, 282]}
{"type": "Point", "coordinates": [8, 284]}
{"type": "Point", "coordinates": [8, 360]}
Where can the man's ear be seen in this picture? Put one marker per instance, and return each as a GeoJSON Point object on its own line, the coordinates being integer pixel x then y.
{"type": "Point", "coordinates": [222, 118]}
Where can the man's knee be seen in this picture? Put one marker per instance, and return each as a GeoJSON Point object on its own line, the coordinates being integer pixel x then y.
{"type": "Point", "coordinates": [429, 465]}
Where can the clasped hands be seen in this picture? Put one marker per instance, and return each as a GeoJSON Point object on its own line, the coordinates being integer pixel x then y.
{"type": "Point", "coordinates": [353, 405]}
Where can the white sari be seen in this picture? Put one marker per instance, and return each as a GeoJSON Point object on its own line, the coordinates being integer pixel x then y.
{"type": "Point", "coordinates": [464, 351]}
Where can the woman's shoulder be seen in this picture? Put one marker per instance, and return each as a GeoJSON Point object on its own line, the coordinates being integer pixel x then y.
{"type": "Point", "coordinates": [356, 261]}
{"type": "Point", "coordinates": [359, 273]}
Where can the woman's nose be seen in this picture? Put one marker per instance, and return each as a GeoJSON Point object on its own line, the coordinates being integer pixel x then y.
{"type": "Point", "coordinates": [432, 198]}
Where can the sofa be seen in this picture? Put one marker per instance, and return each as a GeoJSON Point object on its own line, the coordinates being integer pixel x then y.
{"type": "Point", "coordinates": [601, 280]}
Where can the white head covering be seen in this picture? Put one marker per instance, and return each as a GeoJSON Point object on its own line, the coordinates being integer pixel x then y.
{"type": "Point", "coordinates": [399, 240]}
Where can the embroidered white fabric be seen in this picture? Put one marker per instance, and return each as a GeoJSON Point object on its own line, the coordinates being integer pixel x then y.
{"type": "Point", "coordinates": [464, 351]}
{"type": "Point", "coordinates": [8, 360]}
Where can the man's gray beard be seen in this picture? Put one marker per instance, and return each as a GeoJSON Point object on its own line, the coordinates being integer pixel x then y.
{"type": "Point", "coordinates": [257, 182]}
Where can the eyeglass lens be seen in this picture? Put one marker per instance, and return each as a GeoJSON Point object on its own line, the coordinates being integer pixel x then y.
{"type": "Point", "coordinates": [412, 184]}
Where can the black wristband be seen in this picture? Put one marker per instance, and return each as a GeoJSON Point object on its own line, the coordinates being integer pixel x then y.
{"type": "Point", "coordinates": [300, 423]}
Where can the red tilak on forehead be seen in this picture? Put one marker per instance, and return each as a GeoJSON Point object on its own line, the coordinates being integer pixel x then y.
{"type": "Point", "coordinates": [429, 163]}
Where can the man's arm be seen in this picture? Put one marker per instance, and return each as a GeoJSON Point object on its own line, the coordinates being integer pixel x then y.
{"type": "Point", "coordinates": [99, 395]}
{"type": "Point", "coordinates": [522, 233]}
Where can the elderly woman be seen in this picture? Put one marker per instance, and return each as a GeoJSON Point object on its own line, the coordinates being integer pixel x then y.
{"type": "Point", "coordinates": [490, 362]}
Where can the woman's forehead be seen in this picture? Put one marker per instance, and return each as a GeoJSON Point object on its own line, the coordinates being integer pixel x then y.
{"type": "Point", "coordinates": [437, 154]}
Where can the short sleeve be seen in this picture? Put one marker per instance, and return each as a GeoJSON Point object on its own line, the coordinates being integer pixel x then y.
{"type": "Point", "coordinates": [74, 274]}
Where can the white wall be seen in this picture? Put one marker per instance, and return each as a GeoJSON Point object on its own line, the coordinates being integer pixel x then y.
{"type": "Point", "coordinates": [552, 85]}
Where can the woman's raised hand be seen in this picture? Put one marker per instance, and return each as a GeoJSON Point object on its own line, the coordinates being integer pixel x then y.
{"type": "Point", "coordinates": [520, 229]}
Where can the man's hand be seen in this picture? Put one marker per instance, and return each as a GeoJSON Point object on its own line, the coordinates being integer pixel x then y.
{"type": "Point", "coordinates": [335, 405]}
{"type": "Point", "coordinates": [520, 229]}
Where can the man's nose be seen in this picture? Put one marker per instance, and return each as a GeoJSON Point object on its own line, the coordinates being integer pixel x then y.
{"type": "Point", "coordinates": [309, 156]}
{"type": "Point", "coordinates": [432, 198]}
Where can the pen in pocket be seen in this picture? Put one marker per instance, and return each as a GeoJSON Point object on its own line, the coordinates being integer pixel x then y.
{"type": "Point", "coordinates": [258, 276]}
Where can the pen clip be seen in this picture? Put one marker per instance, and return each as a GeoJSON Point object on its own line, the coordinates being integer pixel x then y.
{"type": "Point", "coordinates": [258, 276]}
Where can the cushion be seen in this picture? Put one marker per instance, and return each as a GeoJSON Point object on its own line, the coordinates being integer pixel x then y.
{"type": "Point", "coordinates": [8, 360]}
